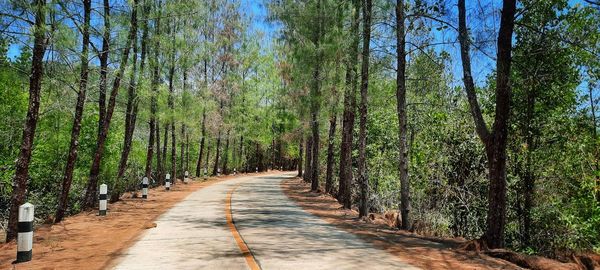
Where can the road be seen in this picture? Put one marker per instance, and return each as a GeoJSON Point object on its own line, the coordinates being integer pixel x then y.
{"type": "Point", "coordinates": [249, 223]}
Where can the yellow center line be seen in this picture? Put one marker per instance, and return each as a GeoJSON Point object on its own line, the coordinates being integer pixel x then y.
{"type": "Point", "coordinates": [236, 235]}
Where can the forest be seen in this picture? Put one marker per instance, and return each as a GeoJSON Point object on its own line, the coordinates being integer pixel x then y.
{"type": "Point", "coordinates": [470, 119]}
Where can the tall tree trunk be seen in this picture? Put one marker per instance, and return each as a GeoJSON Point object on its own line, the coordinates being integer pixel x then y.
{"type": "Point", "coordinates": [300, 148]}
{"type": "Point", "coordinates": [345, 177]}
{"type": "Point", "coordinates": [183, 133]}
{"type": "Point", "coordinates": [132, 105]}
{"type": "Point", "coordinates": [159, 157]}
{"type": "Point", "coordinates": [307, 159]}
{"type": "Point", "coordinates": [226, 153]}
{"type": "Point", "coordinates": [402, 117]}
{"type": "Point", "coordinates": [164, 168]}
{"type": "Point", "coordinates": [171, 105]}
{"type": "Point", "coordinates": [187, 151]}
{"type": "Point", "coordinates": [216, 165]}
{"type": "Point", "coordinates": [330, 150]}
{"type": "Point", "coordinates": [273, 152]}
{"type": "Point", "coordinates": [495, 141]}
{"type": "Point", "coordinates": [233, 154]}
{"type": "Point", "coordinates": [63, 198]}
{"type": "Point", "coordinates": [173, 153]}
{"type": "Point", "coordinates": [316, 102]}
{"type": "Point", "coordinates": [153, 106]}
{"type": "Point", "coordinates": [329, 188]}
{"type": "Point", "coordinates": [92, 187]}
{"type": "Point", "coordinates": [207, 156]}
{"type": "Point", "coordinates": [35, 85]}
{"type": "Point", "coordinates": [182, 152]}
{"type": "Point", "coordinates": [241, 151]}
{"type": "Point", "coordinates": [199, 164]}
{"type": "Point", "coordinates": [364, 88]}
{"type": "Point", "coordinates": [103, 57]}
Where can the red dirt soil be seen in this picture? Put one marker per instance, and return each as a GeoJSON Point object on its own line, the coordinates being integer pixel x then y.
{"type": "Point", "coordinates": [88, 241]}
{"type": "Point", "coordinates": [420, 251]}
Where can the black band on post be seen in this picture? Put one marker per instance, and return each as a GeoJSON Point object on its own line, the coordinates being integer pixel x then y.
{"type": "Point", "coordinates": [23, 256]}
{"type": "Point", "coordinates": [25, 226]}
{"type": "Point", "coordinates": [103, 196]}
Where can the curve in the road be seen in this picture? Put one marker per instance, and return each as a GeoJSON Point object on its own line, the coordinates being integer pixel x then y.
{"type": "Point", "coordinates": [273, 232]}
{"type": "Point", "coordinates": [250, 260]}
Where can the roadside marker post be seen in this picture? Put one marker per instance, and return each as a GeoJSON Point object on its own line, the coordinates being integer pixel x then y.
{"type": "Point", "coordinates": [168, 181]}
{"type": "Point", "coordinates": [256, 169]}
{"type": "Point", "coordinates": [218, 171]}
{"type": "Point", "coordinates": [103, 198]}
{"type": "Point", "coordinates": [25, 233]}
{"type": "Point", "coordinates": [234, 171]}
{"type": "Point", "coordinates": [185, 178]}
{"type": "Point", "coordinates": [205, 173]}
{"type": "Point", "coordinates": [145, 188]}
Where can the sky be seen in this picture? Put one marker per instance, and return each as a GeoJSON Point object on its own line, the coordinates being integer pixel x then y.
{"type": "Point", "coordinates": [482, 14]}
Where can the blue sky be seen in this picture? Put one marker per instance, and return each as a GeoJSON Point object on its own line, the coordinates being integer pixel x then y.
{"type": "Point", "coordinates": [257, 11]}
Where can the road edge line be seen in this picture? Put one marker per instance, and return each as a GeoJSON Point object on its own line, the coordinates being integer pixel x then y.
{"type": "Point", "coordinates": [248, 255]}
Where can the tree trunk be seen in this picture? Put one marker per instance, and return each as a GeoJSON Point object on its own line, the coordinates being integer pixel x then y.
{"type": "Point", "coordinates": [316, 103]}
{"type": "Point", "coordinates": [132, 107]}
{"type": "Point", "coordinates": [364, 87]}
{"type": "Point", "coordinates": [273, 152]}
{"type": "Point", "coordinates": [171, 105]}
{"type": "Point", "coordinates": [35, 85]}
{"type": "Point", "coordinates": [173, 154]}
{"type": "Point", "coordinates": [233, 154]}
{"type": "Point", "coordinates": [345, 177]}
{"type": "Point", "coordinates": [307, 159]}
{"type": "Point", "coordinates": [207, 156]}
{"type": "Point", "coordinates": [241, 152]}
{"type": "Point", "coordinates": [330, 150]}
{"type": "Point", "coordinates": [333, 103]}
{"type": "Point", "coordinates": [92, 187]}
{"type": "Point", "coordinates": [163, 159]}
{"type": "Point", "coordinates": [154, 130]}
{"type": "Point", "coordinates": [402, 117]}
{"type": "Point", "coordinates": [182, 142]}
{"type": "Point", "coordinates": [199, 164]}
{"type": "Point", "coordinates": [182, 152]}
{"type": "Point", "coordinates": [300, 148]}
{"type": "Point", "coordinates": [187, 151]}
{"type": "Point", "coordinates": [103, 57]}
{"type": "Point", "coordinates": [159, 156]}
{"type": "Point", "coordinates": [63, 198]}
{"type": "Point", "coordinates": [216, 166]}
{"type": "Point", "coordinates": [495, 141]}
{"type": "Point", "coordinates": [226, 154]}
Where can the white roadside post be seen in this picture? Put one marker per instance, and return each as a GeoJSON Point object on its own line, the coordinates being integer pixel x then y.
{"type": "Point", "coordinates": [145, 188]}
{"type": "Point", "coordinates": [218, 171]}
{"type": "Point", "coordinates": [103, 198]}
{"type": "Point", "coordinates": [205, 173]}
{"type": "Point", "coordinates": [167, 181]}
{"type": "Point", "coordinates": [234, 171]}
{"type": "Point", "coordinates": [185, 178]}
{"type": "Point", "coordinates": [256, 169]}
{"type": "Point", "coordinates": [25, 233]}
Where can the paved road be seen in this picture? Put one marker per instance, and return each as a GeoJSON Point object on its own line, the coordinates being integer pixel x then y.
{"type": "Point", "coordinates": [194, 234]}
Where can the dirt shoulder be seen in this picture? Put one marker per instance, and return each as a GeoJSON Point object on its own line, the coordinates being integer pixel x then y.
{"type": "Point", "coordinates": [417, 250]}
{"type": "Point", "coordinates": [89, 241]}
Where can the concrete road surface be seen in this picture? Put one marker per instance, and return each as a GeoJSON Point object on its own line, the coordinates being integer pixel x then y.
{"type": "Point", "coordinates": [270, 232]}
